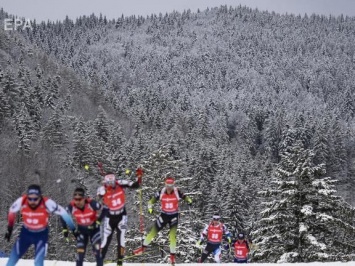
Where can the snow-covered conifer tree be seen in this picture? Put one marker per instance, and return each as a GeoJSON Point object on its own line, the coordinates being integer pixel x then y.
{"type": "Point", "coordinates": [303, 217]}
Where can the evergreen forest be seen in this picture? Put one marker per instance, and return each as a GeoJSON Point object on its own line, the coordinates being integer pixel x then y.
{"type": "Point", "coordinates": [252, 112]}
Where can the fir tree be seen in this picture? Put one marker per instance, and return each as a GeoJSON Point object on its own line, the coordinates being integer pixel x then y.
{"type": "Point", "coordinates": [53, 132]}
{"type": "Point", "coordinates": [25, 129]}
{"type": "Point", "coordinates": [82, 149]}
{"type": "Point", "coordinates": [298, 224]}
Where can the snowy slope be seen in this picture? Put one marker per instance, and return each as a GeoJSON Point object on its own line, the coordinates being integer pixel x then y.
{"type": "Point", "coordinates": [66, 263]}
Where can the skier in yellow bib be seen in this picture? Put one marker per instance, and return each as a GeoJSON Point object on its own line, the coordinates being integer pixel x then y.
{"type": "Point", "coordinates": [169, 197]}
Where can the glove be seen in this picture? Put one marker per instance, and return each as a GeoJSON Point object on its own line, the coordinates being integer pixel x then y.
{"type": "Point", "coordinates": [139, 174]}
{"type": "Point", "coordinates": [8, 233]}
{"type": "Point", "coordinates": [253, 246]}
{"type": "Point", "coordinates": [94, 225]}
{"type": "Point", "coordinates": [198, 243]}
{"type": "Point", "coordinates": [97, 224]}
{"type": "Point", "coordinates": [229, 239]}
{"type": "Point", "coordinates": [188, 200]}
{"type": "Point", "coordinates": [150, 208]}
{"type": "Point", "coordinates": [76, 234]}
{"type": "Point", "coordinates": [65, 233]}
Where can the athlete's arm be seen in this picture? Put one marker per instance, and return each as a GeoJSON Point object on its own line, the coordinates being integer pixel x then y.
{"type": "Point", "coordinates": [55, 208]}
{"type": "Point", "coordinates": [15, 208]}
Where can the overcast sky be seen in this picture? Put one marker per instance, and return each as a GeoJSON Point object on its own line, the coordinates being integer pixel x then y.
{"type": "Point", "coordinates": [58, 9]}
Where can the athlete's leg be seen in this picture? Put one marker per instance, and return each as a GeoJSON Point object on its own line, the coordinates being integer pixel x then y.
{"type": "Point", "coordinates": [217, 254]}
{"type": "Point", "coordinates": [172, 238]}
{"type": "Point", "coordinates": [81, 243]}
{"type": "Point", "coordinates": [106, 237]}
{"type": "Point", "coordinates": [95, 240]}
{"type": "Point", "coordinates": [121, 241]}
{"type": "Point", "coordinates": [240, 260]}
{"type": "Point", "coordinates": [159, 224]}
{"type": "Point", "coordinates": [40, 241]}
{"type": "Point", "coordinates": [20, 247]}
{"type": "Point", "coordinates": [207, 251]}
{"type": "Point", "coordinates": [173, 223]}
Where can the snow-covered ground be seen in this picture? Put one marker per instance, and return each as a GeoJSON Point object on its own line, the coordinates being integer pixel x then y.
{"type": "Point", "coordinates": [67, 263]}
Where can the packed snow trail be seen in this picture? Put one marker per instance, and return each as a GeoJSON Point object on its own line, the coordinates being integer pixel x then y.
{"type": "Point", "coordinates": [67, 263]}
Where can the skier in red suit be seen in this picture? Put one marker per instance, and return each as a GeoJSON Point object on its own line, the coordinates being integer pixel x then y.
{"type": "Point", "coordinates": [241, 249]}
{"type": "Point", "coordinates": [113, 198]}
{"type": "Point", "coordinates": [85, 210]}
{"type": "Point", "coordinates": [214, 233]}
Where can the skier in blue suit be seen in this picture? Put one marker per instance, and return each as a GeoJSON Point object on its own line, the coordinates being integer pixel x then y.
{"type": "Point", "coordinates": [34, 209]}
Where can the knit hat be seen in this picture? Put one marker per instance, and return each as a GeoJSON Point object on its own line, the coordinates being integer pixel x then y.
{"type": "Point", "coordinates": [169, 181]}
{"type": "Point", "coordinates": [34, 189]}
{"type": "Point", "coordinates": [79, 191]}
{"type": "Point", "coordinates": [216, 217]}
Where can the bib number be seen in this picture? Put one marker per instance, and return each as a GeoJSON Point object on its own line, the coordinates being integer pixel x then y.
{"type": "Point", "coordinates": [116, 202]}
{"type": "Point", "coordinates": [32, 221]}
{"type": "Point", "coordinates": [85, 220]}
{"type": "Point", "coordinates": [214, 236]}
{"type": "Point", "coordinates": [169, 205]}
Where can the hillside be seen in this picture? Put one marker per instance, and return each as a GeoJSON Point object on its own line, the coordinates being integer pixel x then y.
{"type": "Point", "coordinates": [231, 101]}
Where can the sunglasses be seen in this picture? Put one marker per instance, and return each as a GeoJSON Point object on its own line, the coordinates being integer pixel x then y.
{"type": "Point", "coordinates": [78, 199]}
{"type": "Point", "coordinates": [33, 199]}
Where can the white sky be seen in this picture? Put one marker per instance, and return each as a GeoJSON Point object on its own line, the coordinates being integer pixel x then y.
{"type": "Point", "coordinates": [65, 263]}
{"type": "Point", "coordinates": [58, 9]}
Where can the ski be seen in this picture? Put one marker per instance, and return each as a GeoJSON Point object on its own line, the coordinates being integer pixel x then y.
{"type": "Point", "coordinates": [130, 256]}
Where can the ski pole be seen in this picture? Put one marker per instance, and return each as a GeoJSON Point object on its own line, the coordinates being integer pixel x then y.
{"type": "Point", "coordinates": [139, 173]}
{"type": "Point", "coordinates": [100, 166]}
